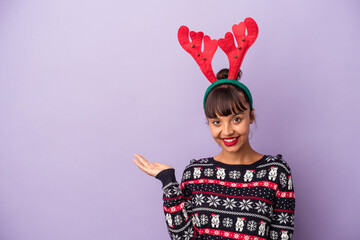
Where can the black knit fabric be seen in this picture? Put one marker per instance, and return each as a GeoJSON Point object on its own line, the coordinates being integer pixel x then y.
{"type": "Point", "coordinates": [217, 201]}
{"type": "Point", "coordinates": [166, 176]}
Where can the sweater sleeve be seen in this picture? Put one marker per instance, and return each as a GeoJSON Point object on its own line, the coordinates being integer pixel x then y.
{"type": "Point", "coordinates": [282, 225]}
{"type": "Point", "coordinates": [177, 206]}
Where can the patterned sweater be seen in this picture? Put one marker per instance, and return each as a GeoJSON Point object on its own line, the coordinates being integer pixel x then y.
{"type": "Point", "coordinates": [218, 201]}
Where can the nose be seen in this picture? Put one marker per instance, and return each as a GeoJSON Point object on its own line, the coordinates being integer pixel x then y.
{"type": "Point", "coordinates": [227, 129]}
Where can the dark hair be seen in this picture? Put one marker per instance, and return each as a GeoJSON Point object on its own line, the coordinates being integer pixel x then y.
{"type": "Point", "coordinates": [226, 99]}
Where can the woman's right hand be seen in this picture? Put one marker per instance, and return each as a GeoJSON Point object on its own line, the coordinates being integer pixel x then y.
{"type": "Point", "coordinates": [150, 168]}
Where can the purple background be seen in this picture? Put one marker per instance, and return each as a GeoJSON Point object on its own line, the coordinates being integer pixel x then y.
{"type": "Point", "coordinates": [85, 84]}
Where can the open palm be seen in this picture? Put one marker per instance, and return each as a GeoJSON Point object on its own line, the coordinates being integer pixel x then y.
{"type": "Point", "coordinates": [150, 168]}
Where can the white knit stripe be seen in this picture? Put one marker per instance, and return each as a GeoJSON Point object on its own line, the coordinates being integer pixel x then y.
{"type": "Point", "coordinates": [232, 213]}
{"type": "Point", "coordinates": [200, 165]}
{"type": "Point", "coordinates": [275, 163]}
{"type": "Point", "coordinates": [284, 227]}
{"type": "Point", "coordinates": [169, 184]}
{"type": "Point", "coordinates": [183, 228]}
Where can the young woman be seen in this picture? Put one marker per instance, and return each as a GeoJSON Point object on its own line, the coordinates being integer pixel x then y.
{"type": "Point", "coordinates": [237, 194]}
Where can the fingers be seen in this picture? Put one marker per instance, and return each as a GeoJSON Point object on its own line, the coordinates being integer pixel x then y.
{"type": "Point", "coordinates": [143, 161]}
{"type": "Point", "coordinates": [139, 164]}
{"type": "Point", "coordinates": [142, 167]}
{"type": "Point", "coordinates": [143, 164]}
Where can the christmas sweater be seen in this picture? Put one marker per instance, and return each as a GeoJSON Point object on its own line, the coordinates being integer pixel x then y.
{"type": "Point", "coordinates": [218, 201]}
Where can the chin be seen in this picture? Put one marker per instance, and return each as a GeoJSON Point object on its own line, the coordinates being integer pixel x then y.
{"type": "Point", "coordinates": [235, 148]}
{"type": "Point", "coordinates": [231, 149]}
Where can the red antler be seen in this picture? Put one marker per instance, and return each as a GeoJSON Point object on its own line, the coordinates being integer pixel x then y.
{"type": "Point", "coordinates": [203, 59]}
{"type": "Point", "coordinates": [236, 55]}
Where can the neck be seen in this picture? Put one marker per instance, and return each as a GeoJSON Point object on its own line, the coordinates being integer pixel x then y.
{"type": "Point", "coordinates": [245, 155]}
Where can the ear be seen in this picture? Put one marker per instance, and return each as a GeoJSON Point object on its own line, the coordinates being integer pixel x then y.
{"type": "Point", "coordinates": [252, 116]}
{"type": "Point", "coordinates": [207, 121]}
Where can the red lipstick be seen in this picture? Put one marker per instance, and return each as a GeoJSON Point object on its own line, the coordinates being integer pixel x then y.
{"type": "Point", "coordinates": [230, 141]}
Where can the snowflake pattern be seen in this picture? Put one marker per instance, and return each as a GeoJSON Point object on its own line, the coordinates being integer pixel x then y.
{"type": "Point", "coordinates": [209, 172]}
{"type": "Point", "coordinates": [227, 222]}
{"type": "Point", "coordinates": [202, 160]}
{"type": "Point", "coordinates": [292, 220]}
{"type": "Point", "coordinates": [271, 211]}
{"type": "Point", "coordinates": [270, 158]}
{"type": "Point", "coordinates": [251, 226]}
{"type": "Point", "coordinates": [199, 199]}
{"type": "Point", "coordinates": [177, 220]}
{"type": "Point", "coordinates": [188, 234]}
{"type": "Point", "coordinates": [175, 237]}
{"type": "Point", "coordinates": [261, 207]}
{"type": "Point", "coordinates": [261, 174]}
{"type": "Point", "coordinates": [204, 219]}
{"type": "Point", "coordinates": [229, 203]}
{"type": "Point", "coordinates": [188, 204]}
{"type": "Point", "coordinates": [234, 174]}
{"type": "Point", "coordinates": [177, 191]}
{"type": "Point", "coordinates": [167, 192]}
{"type": "Point", "coordinates": [283, 179]}
{"type": "Point", "coordinates": [256, 207]}
{"type": "Point", "coordinates": [273, 235]}
{"type": "Point", "coordinates": [213, 201]}
{"type": "Point", "coordinates": [187, 175]}
{"type": "Point", "coordinates": [279, 157]}
{"type": "Point", "coordinates": [246, 204]}
{"type": "Point", "coordinates": [283, 218]}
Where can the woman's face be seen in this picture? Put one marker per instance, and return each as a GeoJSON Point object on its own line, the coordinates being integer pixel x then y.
{"type": "Point", "coordinates": [231, 132]}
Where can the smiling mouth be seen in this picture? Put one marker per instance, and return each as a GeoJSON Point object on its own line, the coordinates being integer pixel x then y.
{"type": "Point", "coordinates": [230, 141]}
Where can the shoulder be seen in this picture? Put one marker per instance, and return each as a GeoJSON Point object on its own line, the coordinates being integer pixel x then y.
{"type": "Point", "coordinates": [277, 161]}
{"type": "Point", "coordinates": [196, 166]}
{"type": "Point", "coordinates": [198, 163]}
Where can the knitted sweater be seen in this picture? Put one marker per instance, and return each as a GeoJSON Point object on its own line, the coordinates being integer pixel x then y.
{"type": "Point", "coordinates": [218, 201]}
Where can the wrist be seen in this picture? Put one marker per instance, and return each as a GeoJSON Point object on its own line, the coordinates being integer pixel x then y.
{"type": "Point", "coordinates": [166, 176]}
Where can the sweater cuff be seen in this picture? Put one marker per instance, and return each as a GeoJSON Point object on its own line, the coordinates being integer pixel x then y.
{"type": "Point", "coordinates": [166, 176]}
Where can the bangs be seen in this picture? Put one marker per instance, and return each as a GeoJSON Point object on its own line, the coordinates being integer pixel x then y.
{"type": "Point", "coordinates": [225, 100]}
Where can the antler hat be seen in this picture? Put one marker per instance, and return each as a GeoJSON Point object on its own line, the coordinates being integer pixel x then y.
{"type": "Point", "coordinates": [227, 44]}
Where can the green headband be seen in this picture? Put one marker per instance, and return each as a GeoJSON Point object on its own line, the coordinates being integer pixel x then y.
{"type": "Point", "coordinates": [231, 81]}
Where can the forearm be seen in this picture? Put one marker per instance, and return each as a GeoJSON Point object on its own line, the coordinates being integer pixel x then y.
{"type": "Point", "coordinates": [177, 212]}
{"type": "Point", "coordinates": [283, 216]}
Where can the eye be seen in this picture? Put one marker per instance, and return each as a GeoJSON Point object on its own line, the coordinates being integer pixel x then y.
{"type": "Point", "coordinates": [216, 122]}
{"type": "Point", "coordinates": [237, 119]}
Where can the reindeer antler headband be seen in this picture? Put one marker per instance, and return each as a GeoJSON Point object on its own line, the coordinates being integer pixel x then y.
{"type": "Point", "coordinates": [227, 44]}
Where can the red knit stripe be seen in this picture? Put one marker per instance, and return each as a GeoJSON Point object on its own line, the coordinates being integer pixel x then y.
{"type": "Point", "coordinates": [174, 208]}
{"type": "Point", "coordinates": [281, 194]}
{"type": "Point", "coordinates": [284, 210]}
{"type": "Point", "coordinates": [173, 198]}
{"type": "Point", "coordinates": [227, 234]}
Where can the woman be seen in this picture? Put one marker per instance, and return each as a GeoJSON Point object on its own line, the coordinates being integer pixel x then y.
{"type": "Point", "coordinates": [237, 194]}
